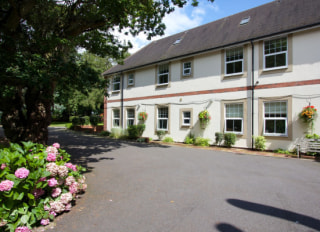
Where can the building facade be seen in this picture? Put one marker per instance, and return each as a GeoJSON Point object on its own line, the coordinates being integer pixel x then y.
{"type": "Point", "coordinates": [253, 72]}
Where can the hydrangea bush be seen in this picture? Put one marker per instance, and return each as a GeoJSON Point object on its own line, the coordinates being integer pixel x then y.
{"type": "Point", "coordinates": [37, 183]}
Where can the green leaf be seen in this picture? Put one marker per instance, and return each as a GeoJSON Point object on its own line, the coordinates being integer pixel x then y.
{"type": "Point", "coordinates": [30, 196]}
{"type": "Point", "coordinates": [24, 219]}
{"type": "Point", "coordinates": [21, 195]}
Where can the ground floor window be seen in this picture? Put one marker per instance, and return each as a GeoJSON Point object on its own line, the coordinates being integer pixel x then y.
{"type": "Point", "coordinates": [234, 118]}
{"type": "Point", "coordinates": [275, 118]}
{"type": "Point", "coordinates": [130, 117]}
{"type": "Point", "coordinates": [163, 118]}
{"type": "Point", "coordinates": [116, 118]}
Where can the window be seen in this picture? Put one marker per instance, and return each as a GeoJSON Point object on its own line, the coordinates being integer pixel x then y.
{"type": "Point", "coordinates": [234, 61]}
{"type": "Point", "coordinates": [163, 116]}
{"type": "Point", "coordinates": [275, 53]}
{"type": "Point", "coordinates": [116, 83]}
{"type": "Point", "coordinates": [163, 74]}
{"type": "Point", "coordinates": [186, 68]}
{"type": "Point", "coordinates": [131, 79]}
{"type": "Point", "coordinates": [275, 118]}
{"type": "Point", "coordinates": [116, 118]}
{"type": "Point", "coordinates": [234, 118]}
{"type": "Point", "coordinates": [186, 118]}
{"type": "Point", "coordinates": [130, 117]}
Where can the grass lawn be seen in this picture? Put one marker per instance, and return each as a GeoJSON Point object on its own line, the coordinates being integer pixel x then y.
{"type": "Point", "coordinates": [53, 124]}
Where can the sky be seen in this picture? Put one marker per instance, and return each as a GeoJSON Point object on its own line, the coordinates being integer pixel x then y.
{"type": "Point", "coordinates": [189, 17]}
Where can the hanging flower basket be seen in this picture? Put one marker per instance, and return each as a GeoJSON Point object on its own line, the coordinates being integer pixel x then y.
{"type": "Point", "coordinates": [204, 118]}
{"type": "Point", "coordinates": [143, 116]}
{"type": "Point", "coordinates": [308, 114]}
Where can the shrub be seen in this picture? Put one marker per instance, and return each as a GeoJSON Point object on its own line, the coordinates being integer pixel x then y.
{"type": "Point", "coordinates": [85, 120]}
{"type": "Point", "coordinates": [168, 140]}
{"type": "Point", "coordinates": [69, 126]}
{"type": "Point", "coordinates": [36, 184]}
{"type": "Point", "coordinates": [105, 133]}
{"type": "Point", "coordinates": [141, 128]}
{"type": "Point", "coordinates": [160, 134]}
{"type": "Point", "coordinates": [203, 142]}
{"type": "Point", "coordinates": [135, 131]}
{"type": "Point", "coordinates": [312, 136]}
{"type": "Point", "coordinates": [219, 138]}
{"type": "Point", "coordinates": [94, 120]}
{"type": "Point", "coordinates": [282, 151]}
{"type": "Point", "coordinates": [117, 133]}
{"type": "Point", "coordinates": [260, 142]}
{"type": "Point", "coordinates": [229, 139]}
{"type": "Point", "coordinates": [189, 139]}
{"type": "Point", "coordinates": [75, 120]}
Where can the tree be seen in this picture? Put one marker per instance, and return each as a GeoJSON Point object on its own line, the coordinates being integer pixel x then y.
{"type": "Point", "coordinates": [38, 43]}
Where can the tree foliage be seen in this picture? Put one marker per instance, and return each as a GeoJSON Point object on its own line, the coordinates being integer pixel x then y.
{"type": "Point", "coordinates": [38, 44]}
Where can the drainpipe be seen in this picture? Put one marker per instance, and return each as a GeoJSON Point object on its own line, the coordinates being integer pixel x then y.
{"type": "Point", "coordinates": [121, 110]}
{"type": "Point", "coordinates": [252, 95]}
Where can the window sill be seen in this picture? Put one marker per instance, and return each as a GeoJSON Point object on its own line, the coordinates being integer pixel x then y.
{"type": "Point", "coordinates": [162, 85]}
{"type": "Point", "coordinates": [234, 74]}
{"type": "Point", "coordinates": [115, 91]}
{"type": "Point", "coordinates": [272, 69]}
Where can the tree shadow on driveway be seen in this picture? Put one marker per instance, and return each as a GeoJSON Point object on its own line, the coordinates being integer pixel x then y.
{"type": "Point", "coordinates": [85, 148]}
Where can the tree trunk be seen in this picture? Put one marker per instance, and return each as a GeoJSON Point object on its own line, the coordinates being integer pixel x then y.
{"type": "Point", "coordinates": [27, 116]}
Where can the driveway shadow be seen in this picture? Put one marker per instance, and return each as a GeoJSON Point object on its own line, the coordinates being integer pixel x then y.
{"type": "Point", "coordinates": [310, 222]}
{"type": "Point", "coordinates": [86, 148]}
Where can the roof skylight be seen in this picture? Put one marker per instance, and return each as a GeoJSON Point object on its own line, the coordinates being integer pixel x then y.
{"type": "Point", "coordinates": [245, 20]}
{"type": "Point", "coordinates": [177, 41]}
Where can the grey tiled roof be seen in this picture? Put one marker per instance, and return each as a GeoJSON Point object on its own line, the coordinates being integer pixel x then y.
{"type": "Point", "coordinates": [279, 16]}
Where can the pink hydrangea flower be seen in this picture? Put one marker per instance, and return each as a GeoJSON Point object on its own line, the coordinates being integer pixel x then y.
{"type": "Point", "coordinates": [45, 222]}
{"type": "Point", "coordinates": [51, 157]}
{"type": "Point", "coordinates": [6, 185]}
{"type": "Point", "coordinates": [70, 180]}
{"type": "Point", "coordinates": [66, 198]}
{"type": "Point", "coordinates": [21, 173]}
{"type": "Point", "coordinates": [46, 208]}
{"type": "Point", "coordinates": [52, 182]}
{"type": "Point", "coordinates": [56, 192]}
{"type": "Point", "coordinates": [68, 207]}
{"type": "Point", "coordinates": [73, 188]}
{"type": "Point", "coordinates": [41, 179]}
{"type": "Point", "coordinates": [38, 193]}
{"type": "Point", "coordinates": [71, 166]}
{"type": "Point", "coordinates": [52, 149]}
{"type": "Point", "coordinates": [22, 229]}
{"type": "Point", "coordinates": [63, 171]}
{"type": "Point", "coordinates": [56, 145]}
{"type": "Point", "coordinates": [53, 168]}
{"type": "Point", "coordinates": [3, 166]}
{"type": "Point", "coordinates": [57, 206]}
{"type": "Point", "coordinates": [53, 213]}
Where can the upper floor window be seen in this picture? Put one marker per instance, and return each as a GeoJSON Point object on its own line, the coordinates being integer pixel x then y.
{"type": "Point", "coordinates": [234, 118]}
{"type": "Point", "coordinates": [234, 61]}
{"type": "Point", "coordinates": [116, 83]}
{"type": "Point", "coordinates": [276, 53]}
{"type": "Point", "coordinates": [131, 79]}
{"type": "Point", "coordinates": [163, 118]}
{"type": "Point", "coordinates": [186, 69]}
{"type": "Point", "coordinates": [163, 74]}
{"type": "Point", "coordinates": [116, 118]}
{"type": "Point", "coordinates": [275, 118]}
{"type": "Point", "coordinates": [130, 117]}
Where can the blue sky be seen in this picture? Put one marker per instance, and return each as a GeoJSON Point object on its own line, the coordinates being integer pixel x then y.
{"type": "Point", "coordinates": [189, 17]}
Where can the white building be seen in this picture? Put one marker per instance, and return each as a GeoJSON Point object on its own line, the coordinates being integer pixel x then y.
{"type": "Point", "coordinates": [253, 71]}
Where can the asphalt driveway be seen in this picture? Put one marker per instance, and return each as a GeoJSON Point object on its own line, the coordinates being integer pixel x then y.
{"type": "Point", "coordinates": [153, 188]}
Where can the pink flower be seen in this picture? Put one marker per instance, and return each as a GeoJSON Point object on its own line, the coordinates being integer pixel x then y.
{"type": "Point", "coordinates": [73, 188]}
{"type": "Point", "coordinates": [52, 149]}
{"type": "Point", "coordinates": [56, 145]}
{"type": "Point", "coordinates": [3, 166]}
{"type": "Point", "coordinates": [38, 193]}
{"type": "Point", "coordinates": [66, 198]}
{"type": "Point", "coordinates": [53, 213]}
{"type": "Point", "coordinates": [71, 166]}
{"type": "Point", "coordinates": [68, 207]}
{"type": "Point", "coordinates": [70, 180]}
{"type": "Point", "coordinates": [6, 185]}
{"type": "Point", "coordinates": [57, 206]}
{"type": "Point", "coordinates": [63, 171]}
{"type": "Point", "coordinates": [53, 168]}
{"type": "Point", "coordinates": [22, 229]}
{"type": "Point", "coordinates": [44, 222]}
{"type": "Point", "coordinates": [51, 157]}
{"type": "Point", "coordinates": [41, 179]}
{"type": "Point", "coordinates": [46, 208]}
{"type": "Point", "coordinates": [56, 192]}
{"type": "Point", "coordinates": [21, 173]}
{"type": "Point", "coordinates": [52, 182]}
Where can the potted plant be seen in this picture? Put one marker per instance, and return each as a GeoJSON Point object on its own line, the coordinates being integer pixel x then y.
{"type": "Point", "coordinates": [308, 115]}
{"type": "Point", "coordinates": [143, 116]}
{"type": "Point", "coordinates": [204, 118]}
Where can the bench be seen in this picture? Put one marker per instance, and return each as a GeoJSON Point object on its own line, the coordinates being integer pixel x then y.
{"type": "Point", "coordinates": [308, 145]}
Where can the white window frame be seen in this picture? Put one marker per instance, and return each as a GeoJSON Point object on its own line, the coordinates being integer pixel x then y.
{"type": "Point", "coordinates": [184, 118]}
{"type": "Point", "coordinates": [131, 79]}
{"type": "Point", "coordinates": [274, 54]}
{"type": "Point", "coordinates": [130, 118]}
{"type": "Point", "coordinates": [233, 118]}
{"type": "Point", "coordinates": [114, 118]}
{"type": "Point", "coordinates": [275, 118]}
{"type": "Point", "coordinates": [160, 73]}
{"type": "Point", "coordinates": [184, 69]}
{"type": "Point", "coordinates": [162, 118]}
{"type": "Point", "coordinates": [234, 61]}
{"type": "Point", "coordinates": [115, 82]}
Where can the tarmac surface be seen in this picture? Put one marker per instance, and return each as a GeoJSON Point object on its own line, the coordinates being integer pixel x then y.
{"type": "Point", "coordinates": [135, 187]}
